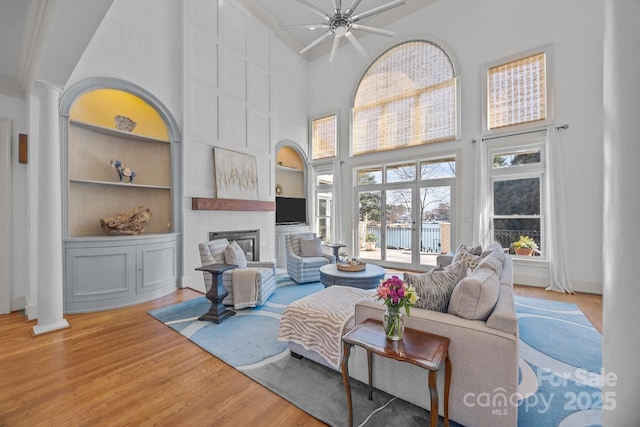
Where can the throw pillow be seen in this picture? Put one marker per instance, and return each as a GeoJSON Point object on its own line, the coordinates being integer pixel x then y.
{"type": "Point", "coordinates": [311, 247]}
{"type": "Point", "coordinates": [476, 295]}
{"type": "Point", "coordinates": [475, 250]}
{"type": "Point", "coordinates": [471, 259]}
{"type": "Point", "coordinates": [435, 287]}
{"type": "Point", "coordinates": [493, 261]}
{"type": "Point", "coordinates": [233, 254]}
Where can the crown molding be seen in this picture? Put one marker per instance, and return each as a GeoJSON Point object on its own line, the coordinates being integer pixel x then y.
{"type": "Point", "coordinates": [34, 35]}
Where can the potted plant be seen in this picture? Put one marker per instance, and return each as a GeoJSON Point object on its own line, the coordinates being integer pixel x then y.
{"type": "Point", "coordinates": [525, 246]}
{"type": "Point", "coordinates": [370, 241]}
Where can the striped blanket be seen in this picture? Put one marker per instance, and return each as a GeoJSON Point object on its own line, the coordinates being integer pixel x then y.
{"type": "Point", "coordinates": [318, 321]}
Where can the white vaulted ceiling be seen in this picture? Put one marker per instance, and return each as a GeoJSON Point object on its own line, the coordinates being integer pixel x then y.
{"type": "Point", "coordinates": [276, 13]}
{"type": "Point", "coordinates": [43, 40]}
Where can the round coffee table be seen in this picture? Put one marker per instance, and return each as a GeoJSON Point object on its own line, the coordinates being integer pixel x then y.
{"type": "Point", "coordinates": [369, 278]}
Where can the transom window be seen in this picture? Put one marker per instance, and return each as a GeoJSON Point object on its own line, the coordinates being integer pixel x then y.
{"type": "Point", "coordinates": [407, 97]}
{"type": "Point", "coordinates": [324, 137]}
{"type": "Point", "coordinates": [517, 91]}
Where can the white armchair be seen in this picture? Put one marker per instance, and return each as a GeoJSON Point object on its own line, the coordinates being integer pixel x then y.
{"type": "Point", "coordinates": [300, 267]}
{"type": "Point", "coordinates": [212, 252]}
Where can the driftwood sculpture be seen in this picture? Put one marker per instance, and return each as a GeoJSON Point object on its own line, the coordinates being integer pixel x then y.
{"type": "Point", "coordinates": [126, 222]}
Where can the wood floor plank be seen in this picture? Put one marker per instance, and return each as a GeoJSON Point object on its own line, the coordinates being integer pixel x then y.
{"type": "Point", "coordinates": [123, 367]}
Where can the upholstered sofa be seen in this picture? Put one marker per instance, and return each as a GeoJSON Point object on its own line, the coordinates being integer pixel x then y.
{"type": "Point", "coordinates": [483, 352]}
{"type": "Point", "coordinates": [305, 257]}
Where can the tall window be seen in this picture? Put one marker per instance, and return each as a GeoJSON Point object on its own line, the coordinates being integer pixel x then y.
{"type": "Point", "coordinates": [517, 92]}
{"type": "Point", "coordinates": [517, 173]}
{"type": "Point", "coordinates": [407, 97]}
{"type": "Point", "coordinates": [324, 137]}
{"type": "Point", "coordinates": [324, 201]}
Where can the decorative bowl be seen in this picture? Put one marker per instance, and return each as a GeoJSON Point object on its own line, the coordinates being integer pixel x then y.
{"type": "Point", "coordinates": [352, 266]}
{"type": "Point", "coordinates": [124, 123]}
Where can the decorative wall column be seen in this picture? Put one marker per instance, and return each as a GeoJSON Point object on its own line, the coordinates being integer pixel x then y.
{"type": "Point", "coordinates": [5, 216]}
{"type": "Point", "coordinates": [621, 316]}
{"type": "Point", "coordinates": [49, 265]}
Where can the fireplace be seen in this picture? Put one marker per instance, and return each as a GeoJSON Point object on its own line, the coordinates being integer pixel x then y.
{"type": "Point", "coordinates": [249, 241]}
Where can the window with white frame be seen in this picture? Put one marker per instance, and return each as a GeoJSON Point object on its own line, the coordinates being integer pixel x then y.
{"type": "Point", "coordinates": [517, 173]}
{"type": "Point", "coordinates": [407, 97]}
{"type": "Point", "coordinates": [517, 92]}
{"type": "Point", "coordinates": [324, 137]}
{"type": "Point", "coordinates": [323, 190]}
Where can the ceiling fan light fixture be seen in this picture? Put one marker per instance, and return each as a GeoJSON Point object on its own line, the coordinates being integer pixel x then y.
{"type": "Point", "coordinates": [340, 31]}
{"type": "Point", "coordinates": [341, 23]}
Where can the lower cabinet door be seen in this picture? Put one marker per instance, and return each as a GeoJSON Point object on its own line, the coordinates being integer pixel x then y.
{"type": "Point", "coordinates": [99, 273]}
{"type": "Point", "coordinates": [156, 266]}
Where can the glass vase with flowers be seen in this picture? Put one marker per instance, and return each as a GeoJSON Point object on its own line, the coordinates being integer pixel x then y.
{"type": "Point", "coordinates": [395, 294]}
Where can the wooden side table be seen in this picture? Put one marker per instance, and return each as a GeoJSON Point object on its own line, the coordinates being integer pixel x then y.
{"type": "Point", "coordinates": [336, 249]}
{"type": "Point", "coordinates": [419, 348]}
{"type": "Point", "coordinates": [218, 312]}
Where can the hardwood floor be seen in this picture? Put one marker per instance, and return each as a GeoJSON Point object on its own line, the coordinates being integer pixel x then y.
{"type": "Point", "coordinates": [123, 367]}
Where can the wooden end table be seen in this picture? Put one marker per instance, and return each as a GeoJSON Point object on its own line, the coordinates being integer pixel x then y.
{"type": "Point", "coordinates": [336, 249]}
{"type": "Point", "coordinates": [218, 312]}
{"type": "Point", "coordinates": [419, 348]}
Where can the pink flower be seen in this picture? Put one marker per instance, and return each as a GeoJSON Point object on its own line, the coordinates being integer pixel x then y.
{"type": "Point", "coordinates": [394, 292]}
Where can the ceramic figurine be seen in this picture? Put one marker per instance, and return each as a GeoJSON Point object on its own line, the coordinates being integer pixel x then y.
{"type": "Point", "coordinates": [123, 171]}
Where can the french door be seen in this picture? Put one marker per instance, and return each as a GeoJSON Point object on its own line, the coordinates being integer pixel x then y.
{"type": "Point", "coordinates": [409, 219]}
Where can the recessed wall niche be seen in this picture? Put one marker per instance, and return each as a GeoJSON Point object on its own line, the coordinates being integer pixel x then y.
{"type": "Point", "coordinates": [289, 173]}
{"type": "Point", "coordinates": [106, 125]}
{"type": "Point", "coordinates": [105, 119]}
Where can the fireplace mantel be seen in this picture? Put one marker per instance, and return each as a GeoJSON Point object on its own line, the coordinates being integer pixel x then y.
{"type": "Point", "coordinates": [206, 204]}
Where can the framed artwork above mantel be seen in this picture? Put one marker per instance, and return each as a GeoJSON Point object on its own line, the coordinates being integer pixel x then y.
{"type": "Point", "coordinates": [236, 174]}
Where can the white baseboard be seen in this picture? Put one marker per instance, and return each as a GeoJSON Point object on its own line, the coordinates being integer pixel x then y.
{"type": "Point", "coordinates": [185, 281]}
{"type": "Point", "coordinates": [587, 286]}
{"type": "Point", "coordinates": [31, 310]}
{"type": "Point", "coordinates": [18, 302]}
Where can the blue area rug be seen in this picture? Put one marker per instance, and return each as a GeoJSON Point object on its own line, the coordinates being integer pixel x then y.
{"type": "Point", "coordinates": [560, 365]}
{"type": "Point", "coordinates": [560, 362]}
{"type": "Point", "coordinates": [248, 337]}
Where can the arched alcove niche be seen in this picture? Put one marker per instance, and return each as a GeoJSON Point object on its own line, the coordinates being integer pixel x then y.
{"type": "Point", "coordinates": [104, 120]}
{"type": "Point", "coordinates": [291, 181]}
{"type": "Point", "coordinates": [291, 170]}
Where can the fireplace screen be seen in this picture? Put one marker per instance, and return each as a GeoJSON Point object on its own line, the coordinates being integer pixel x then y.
{"type": "Point", "coordinates": [249, 241]}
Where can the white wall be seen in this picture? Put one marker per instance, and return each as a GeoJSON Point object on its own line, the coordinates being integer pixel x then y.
{"type": "Point", "coordinates": [138, 41]}
{"type": "Point", "coordinates": [177, 51]}
{"type": "Point", "coordinates": [16, 110]}
{"type": "Point", "coordinates": [477, 32]}
{"type": "Point", "coordinates": [243, 90]}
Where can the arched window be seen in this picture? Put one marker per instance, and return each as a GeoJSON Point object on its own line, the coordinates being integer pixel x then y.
{"type": "Point", "coordinates": [407, 97]}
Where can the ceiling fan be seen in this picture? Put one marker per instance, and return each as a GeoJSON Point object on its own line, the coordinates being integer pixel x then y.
{"type": "Point", "coordinates": [342, 23]}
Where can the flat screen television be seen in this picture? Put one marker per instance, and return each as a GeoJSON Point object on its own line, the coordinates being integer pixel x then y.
{"type": "Point", "coordinates": [291, 210]}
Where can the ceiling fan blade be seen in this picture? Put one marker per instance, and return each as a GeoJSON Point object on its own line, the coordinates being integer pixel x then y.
{"type": "Point", "coordinates": [352, 7]}
{"type": "Point", "coordinates": [307, 26]}
{"type": "Point", "coordinates": [372, 30]}
{"type": "Point", "coordinates": [334, 48]}
{"type": "Point", "coordinates": [337, 5]}
{"type": "Point", "coordinates": [376, 10]}
{"type": "Point", "coordinates": [355, 43]}
{"type": "Point", "coordinates": [314, 9]}
{"type": "Point", "coordinates": [316, 41]}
